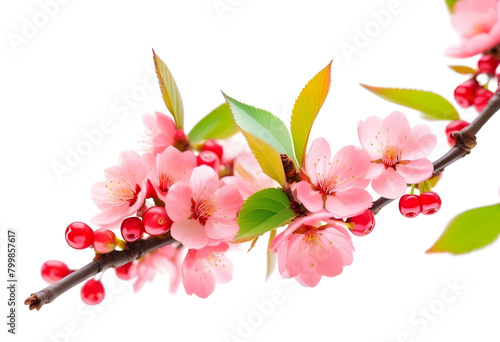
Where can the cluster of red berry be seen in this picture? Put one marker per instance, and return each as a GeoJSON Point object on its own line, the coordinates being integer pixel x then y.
{"type": "Point", "coordinates": [471, 92]}
{"type": "Point", "coordinates": [427, 203]}
{"type": "Point", "coordinates": [210, 155]}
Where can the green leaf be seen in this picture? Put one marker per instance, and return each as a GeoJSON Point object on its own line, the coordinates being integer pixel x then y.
{"type": "Point", "coordinates": [306, 108]}
{"type": "Point", "coordinates": [263, 125]}
{"type": "Point", "coordinates": [461, 69]}
{"type": "Point", "coordinates": [470, 230]}
{"type": "Point", "coordinates": [432, 105]}
{"type": "Point", "coordinates": [218, 124]}
{"type": "Point", "coordinates": [451, 4]}
{"type": "Point", "coordinates": [262, 212]}
{"type": "Point", "coordinates": [169, 91]}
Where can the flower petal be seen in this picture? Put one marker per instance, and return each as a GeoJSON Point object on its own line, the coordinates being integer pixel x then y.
{"type": "Point", "coordinates": [190, 233]}
{"type": "Point", "coordinates": [389, 184]}
{"type": "Point", "coordinates": [416, 171]}
{"type": "Point", "coordinates": [317, 160]}
{"type": "Point", "coordinates": [348, 203]}
{"type": "Point", "coordinates": [178, 203]}
{"type": "Point", "coordinates": [420, 143]}
{"type": "Point", "coordinates": [311, 199]}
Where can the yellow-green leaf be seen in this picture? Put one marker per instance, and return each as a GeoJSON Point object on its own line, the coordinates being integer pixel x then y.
{"type": "Point", "coordinates": [169, 91]}
{"type": "Point", "coordinates": [269, 159]}
{"type": "Point", "coordinates": [451, 4]}
{"type": "Point", "coordinates": [432, 105]}
{"type": "Point", "coordinates": [271, 256]}
{"type": "Point", "coordinates": [470, 230]}
{"type": "Point", "coordinates": [306, 108]}
{"type": "Point", "coordinates": [218, 124]}
{"type": "Point", "coordinates": [462, 69]}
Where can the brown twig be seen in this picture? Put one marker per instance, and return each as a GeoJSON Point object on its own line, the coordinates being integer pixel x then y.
{"type": "Point", "coordinates": [134, 251]}
{"type": "Point", "coordinates": [465, 141]}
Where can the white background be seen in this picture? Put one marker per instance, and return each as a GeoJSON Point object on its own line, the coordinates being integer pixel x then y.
{"type": "Point", "coordinates": [77, 68]}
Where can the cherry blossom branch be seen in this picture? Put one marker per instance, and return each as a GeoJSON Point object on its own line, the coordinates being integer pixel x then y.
{"type": "Point", "coordinates": [101, 263]}
{"type": "Point", "coordinates": [465, 141]}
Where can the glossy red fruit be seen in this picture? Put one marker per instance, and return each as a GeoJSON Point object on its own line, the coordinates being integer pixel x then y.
{"type": "Point", "coordinates": [466, 92]}
{"type": "Point", "coordinates": [213, 146]}
{"type": "Point", "coordinates": [54, 270]}
{"type": "Point", "coordinates": [104, 241]}
{"type": "Point", "coordinates": [454, 126]}
{"type": "Point", "coordinates": [124, 272]}
{"type": "Point", "coordinates": [79, 235]}
{"type": "Point", "coordinates": [209, 158]}
{"type": "Point", "coordinates": [482, 98]}
{"type": "Point", "coordinates": [362, 224]}
{"type": "Point", "coordinates": [156, 221]}
{"type": "Point", "coordinates": [430, 203]}
{"type": "Point", "coordinates": [409, 205]}
{"type": "Point", "coordinates": [132, 229]}
{"type": "Point", "coordinates": [92, 292]}
{"type": "Point", "coordinates": [487, 64]}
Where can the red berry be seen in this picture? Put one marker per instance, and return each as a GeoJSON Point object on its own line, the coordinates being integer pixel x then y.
{"type": "Point", "coordinates": [54, 270]}
{"type": "Point", "coordinates": [132, 229]}
{"type": "Point", "coordinates": [213, 146]}
{"type": "Point", "coordinates": [92, 292]}
{"type": "Point", "coordinates": [466, 92]}
{"type": "Point", "coordinates": [487, 64]}
{"type": "Point", "coordinates": [482, 98]}
{"type": "Point", "coordinates": [362, 224]}
{"type": "Point", "coordinates": [156, 221]}
{"type": "Point", "coordinates": [123, 272]}
{"type": "Point", "coordinates": [454, 126]}
{"type": "Point", "coordinates": [209, 158]}
{"type": "Point", "coordinates": [104, 241]}
{"type": "Point", "coordinates": [79, 235]}
{"type": "Point", "coordinates": [409, 205]}
{"type": "Point", "coordinates": [430, 203]}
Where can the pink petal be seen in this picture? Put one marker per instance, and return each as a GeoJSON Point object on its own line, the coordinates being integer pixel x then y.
{"type": "Point", "coordinates": [420, 143]}
{"type": "Point", "coordinates": [367, 133]}
{"type": "Point", "coordinates": [194, 279]}
{"type": "Point", "coordinates": [221, 229]}
{"type": "Point", "coordinates": [110, 217]}
{"type": "Point", "coordinates": [165, 124]}
{"type": "Point", "coordinates": [415, 171]}
{"type": "Point", "coordinates": [375, 170]}
{"type": "Point", "coordinates": [317, 160]}
{"type": "Point", "coordinates": [190, 233]}
{"type": "Point", "coordinates": [204, 182]}
{"type": "Point", "coordinates": [395, 130]}
{"type": "Point", "coordinates": [348, 203]}
{"type": "Point", "coordinates": [348, 164]}
{"type": "Point", "coordinates": [389, 184]}
{"type": "Point", "coordinates": [311, 199]}
{"type": "Point", "coordinates": [178, 202]}
{"type": "Point", "coordinates": [227, 202]}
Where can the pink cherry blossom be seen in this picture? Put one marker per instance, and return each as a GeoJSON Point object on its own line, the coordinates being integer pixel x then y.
{"type": "Point", "coordinates": [164, 259]}
{"type": "Point", "coordinates": [398, 153]}
{"type": "Point", "coordinates": [167, 168]}
{"type": "Point", "coordinates": [478, 24]}
{"type": "Point", "coordinates": [204, 267]}
{"type": "Point", "coordinates": [309, 249]}
{"type": "Point", "coordinates": [248, 176]}
{"type": "Point", "coordinates": [204, 211]}
{"type": "Point", "coordinates": [335, 184]}
{"type": "Point", "coordinates": [123, 192]}
{"type": "Point", "coordinates": [160, 132]}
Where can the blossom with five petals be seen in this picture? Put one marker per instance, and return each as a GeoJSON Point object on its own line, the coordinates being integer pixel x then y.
{"type": "Point", "coordinates": [337, 183]}
{"type": "Point", "coordinates": [204, 210]}
{"type": "Point", "coordinates": [309, 249]}
{"type": "Point", "coordinates": [478, 24]}
{"type": "Point", "coordinates": [398, 153]}
{"type": "Point", "coordinates": [123, 192]}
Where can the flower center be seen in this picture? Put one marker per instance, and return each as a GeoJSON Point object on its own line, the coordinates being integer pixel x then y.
{"type": "Point", "coordinates": [165, 181]}
{"type": "Point", "coordinates": [119, 193]}
{"type": "Point", "coordinates": [202, 210]}
{"type": "Point", "coordinates": [391, 156]}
